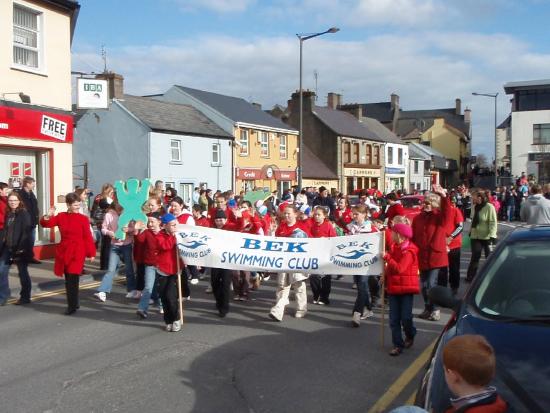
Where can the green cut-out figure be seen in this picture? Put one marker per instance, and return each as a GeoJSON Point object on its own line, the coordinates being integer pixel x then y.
{"type": "Point", "coordinates": [131, 196]}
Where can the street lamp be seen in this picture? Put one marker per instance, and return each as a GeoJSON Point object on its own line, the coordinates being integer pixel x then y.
{"type": "Point", "coordinates": [494, 96]}
{"type": "Point", "coordinates": [303, 37]}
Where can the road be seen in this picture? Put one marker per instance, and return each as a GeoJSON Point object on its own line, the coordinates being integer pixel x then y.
{"type": "Point", "coordinates": [106, 360]}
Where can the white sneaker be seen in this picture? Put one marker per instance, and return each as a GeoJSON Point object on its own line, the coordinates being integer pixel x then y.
{"type": "Point", "coordinates": [356, 319]}
{"type": "Point", "coordinates": [367, 314]}
{"type": "Point", "coordinates": [435, 316]}
{"type": "Point", "coordinates": [137, 294]}
{"type": "Point", "coordinates": [168, 327]}
{"type": "Point", "coordinates": [101, 296]}
{"type": "Point", "coordinates": [161, 310]}
{"type": "Point", "coordinates": [194, 281]}
{"type": "Point", "coordinates": [315, 301]}
{"type": "Point", "coordinates": [131, 294]}
{"type": "Point", "coordinates": [176, 326]}
{"type": "Point", "coordinates": [208, 289]}
{"type": "Point", "coordinates": [300, 314]}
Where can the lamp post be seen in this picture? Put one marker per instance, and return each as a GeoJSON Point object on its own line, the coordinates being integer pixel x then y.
{"type": "Point", "coordinates": [303, 37]}
{"type": "Point", "coordinates": [494, 96]}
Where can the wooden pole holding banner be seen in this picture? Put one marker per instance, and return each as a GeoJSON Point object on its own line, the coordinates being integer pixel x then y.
{"type": "Point", "coordinates": [178, 280]}
{"type": "Point", "coordinates": [383, 287]}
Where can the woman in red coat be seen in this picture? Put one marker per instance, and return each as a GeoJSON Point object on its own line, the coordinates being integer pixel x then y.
{"type": "Point", "coordinates": [321, 228]}
{"type": "Point", "coordinates": [402, 283]}
{"type": "Point", "coordinates": [76, 244]}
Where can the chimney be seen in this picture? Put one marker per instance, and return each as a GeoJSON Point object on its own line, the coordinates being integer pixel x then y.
{"type": "Point", "coordinates": [467, 115]}
{"type": "Point", "coordinates": [289, 106]}
{"type": "Point", "coordinates": [334, 100]}
{"type": "Point", "coordinates": [358, 112]}
{"type": "Point", "coordinates": [309, 101]}
{"type": "Point", "coordinates": [458, 108]}
{"type": "Point", "coordinates": [394, 101]}
{"type": "Point", "coordinates": [116, 84]}
{"type": "Point", "coordinates": [257, 105]}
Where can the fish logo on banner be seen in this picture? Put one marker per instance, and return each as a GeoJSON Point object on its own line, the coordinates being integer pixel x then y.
{"type": "Point", "coordinates": [193, 245]}
{"type": "Point", "coordinates": [354, 254]}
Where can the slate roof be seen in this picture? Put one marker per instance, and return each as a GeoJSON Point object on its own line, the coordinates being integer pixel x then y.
{"type": "Point", "coordinates": [171, 117]}
{"type": "Point", "coordinates": [236, 109]}
{"type": "Point", "coordinates": [344, 124]}
{"type": "Point", "coordinates": [381, 131]}
{"type": "Point", "coordinates": [450, 116]}
{"type": "Point", "coordinates": [417, 153]}
{"type": "Point", "coordinates": [510, 87]}
{"type": "Point", "coordinates": [505, 123]}
{"type": "Point", "coordinates": [315, 168]}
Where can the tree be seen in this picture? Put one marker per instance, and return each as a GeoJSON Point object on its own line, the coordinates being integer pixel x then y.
{"type": "Point", "coordinates": [481, 160]}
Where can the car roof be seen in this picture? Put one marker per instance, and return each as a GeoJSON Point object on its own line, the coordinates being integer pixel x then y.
{"type": "Point", "coordinates": [530, 232]}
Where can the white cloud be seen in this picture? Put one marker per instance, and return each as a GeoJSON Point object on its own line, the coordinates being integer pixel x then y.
{"type": "Point", "coordinates": [217, 6]}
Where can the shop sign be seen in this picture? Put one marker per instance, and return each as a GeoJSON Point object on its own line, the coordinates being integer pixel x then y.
{"type": "Point", "coordinates": [395, 171]}
{"type": "Point", "coordinates": [15, 169]}
{"type": "Point", "coordinates": [285, 175]}
{"type": "Point", "coordinates": [27, 169]}
{"type": "Point", "coordinates": [248, 174]}
{"type": "Point", "coordinates": [35, 124]}
{"type": "Point", "coordinates": [92, 94]}
{"type": "Point", "coordinates": [361, 172]}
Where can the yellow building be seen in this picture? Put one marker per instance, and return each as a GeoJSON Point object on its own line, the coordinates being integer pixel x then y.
{"type": "Point", "coordinates": [36, 123]}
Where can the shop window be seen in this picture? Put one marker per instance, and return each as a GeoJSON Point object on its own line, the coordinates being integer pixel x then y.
{"type": "Point", "coordinates": [26, 37]}
{"type": "Point", "coordinates": [249, 185]}
{"type": "Point", "coordinates": [283, 153]}
{"type": "Point", "coordinates": [243, 151]}
{"type": "Point", "coordinates": [264, 144]}
{"type": "Point", "coordinates": [175, 150]}
{"type": "Point", "coordinates": [282, 186]}
{"type": "Point", "coordinates": [216, 154]}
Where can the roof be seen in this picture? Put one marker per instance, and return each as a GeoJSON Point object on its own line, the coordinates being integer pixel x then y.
{"type": "Point", "coordinates": [171, 117]}
{"type": "Point", "coordinates": [511, 87]}
{"type": "Point", "coordinates": [381, 131]}
{"type": "Point", "coordinates": [428, 115]}
{"type": "Point", "coordinates": [505, 123]}
{"type": "Point", "coordinates": [425, 149]}
{"type": "Point", "coordinates": [344, 124]}
{"type": "Point", "coordinates": [416, 153]}
{"type": "Point", "coordinates": [236, 109]}
{"type": "Point", "coordinates": [315, 168]}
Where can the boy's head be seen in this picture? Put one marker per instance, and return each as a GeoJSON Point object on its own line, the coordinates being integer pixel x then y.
{"type": "Point", "coordinates": [154, 221]}
{"type": "Point", "coordinates": [220, 218]}
{"type": "Point", "coordinates": [469, 361]}
{"type": "Point", "coordinates": [170, 223]}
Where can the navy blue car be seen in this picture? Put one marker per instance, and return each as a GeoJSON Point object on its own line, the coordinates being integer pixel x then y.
{"type": "Point", "coordinates": [509, 304]}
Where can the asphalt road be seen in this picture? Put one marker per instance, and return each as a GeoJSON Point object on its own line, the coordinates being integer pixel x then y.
{"type": "Point", "coordinates": [106, 360]}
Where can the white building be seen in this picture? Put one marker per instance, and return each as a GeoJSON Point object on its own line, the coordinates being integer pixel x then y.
{"type": "Point", "coordinates": [530, 128]}
{"type": "Point", "coordinates": [419, 169]}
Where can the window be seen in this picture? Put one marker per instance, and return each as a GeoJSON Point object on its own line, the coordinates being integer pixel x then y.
{"type": "Point", "coordinates": [282, 186]}
{"type": "Point", "coordinates": [283, 147]}
{"type": "Point", "coordinates": [541, 134]}
{"type": "Point", "coordinates": [26, 37]}
{"type": "Point", "coordinates": [355, 155]}
{"type": "Point", "coordinates": [216, 154]}
{"type": "Point", "coordinates": [416, 167]}
{"type": "Point", "coordinates": [400, 156]}
{"type": "Point", "coordinates": [264, 144]}
{"type": "Point", "coordinates": [390, 155]}
{"type": "Point", "coordinates": [175, 150]}
{"type": "Point", "coordinates": [244, 143]}
{"type": "Point", "coordinates": [347, 152]}
{"type": "Point", "coordinates": [376, 160]}
{"type": "Point", "coordinates": [369, 154]}
{"type": "Point", "coordinates": [186, 193]}
{"type": "Point", "coordinates": [533, 100]}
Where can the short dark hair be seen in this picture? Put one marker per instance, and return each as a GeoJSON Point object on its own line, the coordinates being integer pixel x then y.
{"type": "Point", "coordinates": [391, 196]}
{"type": "Point", "coordinates": [178, 199]}
{"type": "Point", "coordinates": [71, 198]}
{"type": "Point", "coordinates": [3, 185]}
{"type": "Point", "coordinates": [28, 180]}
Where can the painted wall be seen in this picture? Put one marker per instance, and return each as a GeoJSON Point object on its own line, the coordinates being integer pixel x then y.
{"type": "Point", "coordinates": [448, 141]}
{"type": "Point", "coordinates": [417, 179]}
{"type": "Point", "coordinates": [50, 85]}
{"type": "Point", "coordinates": [502, 140]}
{"type": "Point", "coordinates": [522, 140]}
{"type": "Point", "coordinates": [196, 161]}
{"type": "Point", "coordinates": [113, 143]}
{"type": "Point", "coordinates": [395, 164]}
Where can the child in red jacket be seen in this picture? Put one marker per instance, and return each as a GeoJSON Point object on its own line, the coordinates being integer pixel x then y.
{"type": "Point", "coordinates": [402, 283]}
{"type": "Point", "coordinates": [320, 227]}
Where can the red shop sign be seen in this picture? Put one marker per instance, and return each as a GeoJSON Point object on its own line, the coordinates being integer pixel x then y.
{"type": "Point", "coordinates": [285, 175]}
{"type": "Point", "coordinates": [247, 173]}
{"type": "Point", "coordinates": [27, 169]}
{"type": "Point", "coordinates": [35, 124]}
{"type": "Point", "coordinates": [14, 169]}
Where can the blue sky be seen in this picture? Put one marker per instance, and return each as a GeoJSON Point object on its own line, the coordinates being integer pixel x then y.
{"type": "Point", "coordinates": [429, 52]}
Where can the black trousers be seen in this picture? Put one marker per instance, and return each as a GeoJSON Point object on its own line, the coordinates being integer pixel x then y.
{"type": "Point", "coordinates": [192, 271]}
{"type": "Point", "coordinates": [451, 274]}
{"type": "Point", "coordinates": [140, 277]}
{"type": "Point", "coordinates": [478, 245]}
{"type": "Point", "coordinates": [72, 282]}
{"type": "Point", "coordinates": [320, 287]}
{"type": "Point", "coordinates": [184, 279]}
{"type": "Point", "coordinates": [220, 280]}
{"type": "Point", "coordinates": [168, 293]}
{"type": "Point", "coordinates": [104, 252]}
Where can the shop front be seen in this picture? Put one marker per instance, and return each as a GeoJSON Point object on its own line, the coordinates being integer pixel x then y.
{"type": "Point", "coordinates": [268, 178]}
{"type": "Point", "coordinates": [37, 142]}
{"type": "Point", "coordinates": [356, 179]}
{"type": "Point", "coordinates": [331, 184]}
{"type": "Point", "coordinates": [395, 179]}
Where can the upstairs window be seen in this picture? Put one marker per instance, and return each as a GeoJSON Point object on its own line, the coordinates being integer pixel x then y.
{"type": "Point", "coordinates": [283, 153]}
{"type": "Point", "coordinates": [369, 154]}
{"type": "Point", "coordinates": [175, 150]}
{"type": "Point", "coordinates": [376, 160]}
{"type": "Point", "coordinates": [390, 155]}
{"type": "Point", "coordinates": [243, 151]}
{"type": "Point", "coordinates": [26, 37]}
{"type": "Point", "coordinates": [356, 153]}
{"type": "Point", "coordinates": [400, 156]}
{"type": "Point", "coordinates": [347, 152]}
{"type": "Point", "coordinates": [541, 134]}
{"type": "Point", "coordinates": [215, 154]}
{"type": "Point", "coordinates": [264, 144]}
{"type": "Point", "coordinates": [416, 166]}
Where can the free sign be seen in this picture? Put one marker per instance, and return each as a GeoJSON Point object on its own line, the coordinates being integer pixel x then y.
{"type": "Point", "coordinates": [53, 127]}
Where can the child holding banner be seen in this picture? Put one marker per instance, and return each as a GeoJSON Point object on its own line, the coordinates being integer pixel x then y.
{"type": "Point", "coordinates": [320, 228]}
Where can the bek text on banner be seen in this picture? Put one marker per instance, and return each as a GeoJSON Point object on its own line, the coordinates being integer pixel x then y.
{"type": "Point", "coordinates": [215, 248]}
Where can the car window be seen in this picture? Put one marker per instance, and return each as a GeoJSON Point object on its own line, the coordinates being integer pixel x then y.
{"type": "Point", "coordinates": [410, 202]}
{"type": "Point", "coordinates": [517, 284]}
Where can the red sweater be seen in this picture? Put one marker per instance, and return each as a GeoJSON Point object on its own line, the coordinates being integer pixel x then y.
{"type": "Point", "coordinates": [323, 230]}
{"type": "Point", "coordinates": [183, 218]}
{"type": "Point", "coordinates": [212, 215]}
{"type": "Point", "coordinates": [3, 207]}
{"type": "Point", "coordinates": [202, 222]}
{"type": "Point", "coordinates": [343, 218]}
{"type": "Point", "coordinates": [394, 210]}
{"type": "Point", "coordinates": [146, 248]}
{"type": "Point", "coordinates": [166, 258]}
{"type": "Point", "coordinates": [456, 219]}
{"type": "Point", "coordinates": [498, 405]}
{"type": "Point", "coordinates": [402, 269]}
{"type": "Point", "coordinates": [284, 230]}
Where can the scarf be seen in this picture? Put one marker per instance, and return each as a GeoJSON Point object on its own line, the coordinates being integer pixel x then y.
{"type": "Point", "coordinates": [478, 208]}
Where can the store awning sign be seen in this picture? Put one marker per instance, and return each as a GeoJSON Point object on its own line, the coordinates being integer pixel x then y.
{"type": "Point", "coordinates": [54, 127]}
{"type": "Point", "coordinates": [35, 124]}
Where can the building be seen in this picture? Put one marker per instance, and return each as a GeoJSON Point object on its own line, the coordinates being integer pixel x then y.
{"type": "Point", "coordinates": [432, 172]}
{"type": "Point", "coordinates": [265, 154]}
{"type": "Point", "coordinates": [140, 137]}
{"type": "Point", "coordinates": [420, 178]}
{"type": "Point", "coordinates": [530, 128]}
{"type": "Point", "coordinates": [503, 146]}
{"type": "Point", "coordinates": [36, 125]}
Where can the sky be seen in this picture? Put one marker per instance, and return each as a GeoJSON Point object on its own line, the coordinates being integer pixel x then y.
{"type": "Point", "coordinates": [429, 52]}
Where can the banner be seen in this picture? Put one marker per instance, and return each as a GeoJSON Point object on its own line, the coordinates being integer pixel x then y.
{"type": "Point", "coordinates": [214, 248]}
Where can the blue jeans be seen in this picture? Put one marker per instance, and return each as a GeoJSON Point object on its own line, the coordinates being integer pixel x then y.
{"type": "Point", "coordinates": [510, 212]}
{"type": "Point", "coordinates": [401, 315]}
{"type": "Point", "coordinates": [119, 253]}
{"type": "Point", "coordinates": [24, 277]}
{"type": "Point", "coordinates": [363, 296]}
{"type": "Point", "coordinates": [150, 279]}
{"type": "Point", "coordinates": [428, 279]}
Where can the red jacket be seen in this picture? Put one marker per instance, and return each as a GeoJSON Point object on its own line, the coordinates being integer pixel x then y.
{"type": "Point", "coordinates": [146, 248]}
{"type": "Point", "coordinates": [183, 218]}
{"type": "Point", "coordinates": [343, 218]}
{"type": "Point", "coordinates": [429, 235]}
{"type": "Point", "coordinates": [323, 230]}
{"type": "Point", "coordinates": [202, 222]}
{"type": "Point", "coordinates": [402, 269]}
{"type": "Point", "coordinates": [394, 210]}
{"type": "Point", "coordinates": [3, 207]}
{"type": "Point", "coordinates": [228, 212]}
{"type": "Point", "coordinates": [456, 219]}
{"type": "Point", "coordinates": [493, 405]}
{"type": "Point", "coordinates": [284, 230]}
{"type": "Point", "coordinates": [167, 256]}
{"type": "Point", "coordinates": [76, 243]}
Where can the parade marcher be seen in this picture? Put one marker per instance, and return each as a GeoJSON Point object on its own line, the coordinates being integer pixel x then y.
{"type": "Point", "coordinates": [167, 272]}
{"type": "Point", "coordinates": [321, 228]}
{"type": "Point", "coordinates": [402, 284]}
{"type": "Point", "coordinates": [99, 209]}
{"type": "Point", "coordinates": [429, 235]}
{"type": "Point", "coordinates": [361, 225]}
{"type": "Point", "coordinates": [75, 246]}
{"type": "Point", "coordinates": [324, 199]}
{"type": "Point", "coordinates": [483, 233]}
{"type": "Point", "coordinates": [451, 273]}
{"type": "Point", "coordinates": [198, 216]}
{"type": "Point", "coordinates": [510, 203]}
{"type": "Point", "coordinates": [394, 207]}
{"type": "Point", "coordinates": [290, 227]}
{"type": "Point", "coordinates": [536, 208]}
{"type": "Point", "coordinates": [121, 250]}
{"type": "Point", "coordinates": [190, 274]}
{"type": "Point", "coordinates": [4, 191]}
{"type": "Point", "coordinates": [342, 214]}
{"type": "Point", "coordinates": [16, 247]}
{"type": "Point", "coordinates": [242, 280]}
{"type": "Point", "coordinates": [31, 205]}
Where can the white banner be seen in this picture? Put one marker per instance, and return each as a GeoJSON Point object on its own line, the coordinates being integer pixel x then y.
{"type": "Point", "coordinates": [214, 248]}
